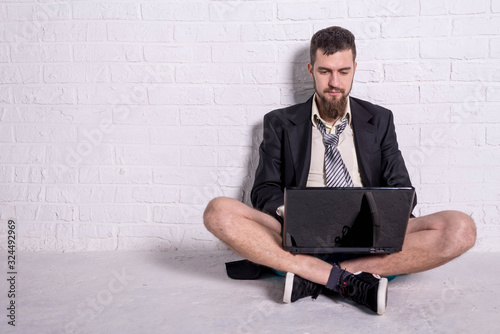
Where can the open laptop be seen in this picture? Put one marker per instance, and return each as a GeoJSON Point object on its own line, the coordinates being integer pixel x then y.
{"type": "Point", "coordinates": [346, 220]}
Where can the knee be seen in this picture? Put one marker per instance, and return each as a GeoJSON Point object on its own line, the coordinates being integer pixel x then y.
{"type": "Point", "coordinates": [463, 230]}
{"type": "Point", "coordinates": [217, 212]}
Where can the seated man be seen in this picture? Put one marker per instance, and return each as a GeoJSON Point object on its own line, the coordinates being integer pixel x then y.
{"type": "Point", "coordinates": [298, 150]}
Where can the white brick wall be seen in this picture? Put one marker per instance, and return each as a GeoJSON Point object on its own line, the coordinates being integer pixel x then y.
{"type": "Point", "coordinates": [121, 120]}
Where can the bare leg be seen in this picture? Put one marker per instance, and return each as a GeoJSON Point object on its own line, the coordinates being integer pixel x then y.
{"type": "Point", "coordinates": [430, 241]}
{"type": "Point", "coordinates": [256, 236]}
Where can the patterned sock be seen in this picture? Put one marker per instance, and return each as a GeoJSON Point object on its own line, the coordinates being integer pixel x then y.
{"type": "Point", "coordinates": [333, 280]}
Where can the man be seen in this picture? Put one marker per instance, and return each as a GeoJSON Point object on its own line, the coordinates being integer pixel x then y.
{"type": "Point", "coordinates": [295, 152]}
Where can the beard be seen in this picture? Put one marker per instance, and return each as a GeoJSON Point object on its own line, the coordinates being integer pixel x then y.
{"type": "Point", "coordinates": [332, 108]}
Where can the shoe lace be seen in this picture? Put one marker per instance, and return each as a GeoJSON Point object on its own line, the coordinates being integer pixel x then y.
{"type": "Point", "coordinates": [352, 288]}
{"type": "Point", "coordinates": [311, 289]}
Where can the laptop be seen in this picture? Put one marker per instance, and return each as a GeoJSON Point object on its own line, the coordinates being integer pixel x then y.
{"type": "Point", "coordinates": [346, 220]}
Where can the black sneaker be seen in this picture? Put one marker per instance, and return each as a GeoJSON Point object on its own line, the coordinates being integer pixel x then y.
{"type": "Point", "coordinates": [296, 287]}
{"type": "Point", "coordinates": [366, 289]}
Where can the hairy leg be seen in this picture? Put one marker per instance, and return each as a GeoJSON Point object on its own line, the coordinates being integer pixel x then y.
{"type": "Point", "coordinates": [430, 241]}
{"type": "Point", "coordinates": [256, 236]}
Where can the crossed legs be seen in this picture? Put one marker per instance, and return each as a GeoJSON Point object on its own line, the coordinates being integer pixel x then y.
{"type": "Point", "coordinates": [430, 241]}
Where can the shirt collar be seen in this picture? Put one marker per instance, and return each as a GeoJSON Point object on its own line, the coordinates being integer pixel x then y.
{"type": "Point", "coordinates": [315, 114]}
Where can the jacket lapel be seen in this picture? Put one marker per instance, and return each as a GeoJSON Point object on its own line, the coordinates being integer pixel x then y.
{"type": "Point", "coordinates": [299, 137]}
{"type": "Point", "coordinates": [365, 139]}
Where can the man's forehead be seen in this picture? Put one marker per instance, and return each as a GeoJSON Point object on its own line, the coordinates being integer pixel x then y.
{"type": "Point", "coordinates": [340, 58]}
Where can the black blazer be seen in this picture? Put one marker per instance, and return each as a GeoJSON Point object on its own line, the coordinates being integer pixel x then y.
{"type": "Point", "coordinates": [285, 151]}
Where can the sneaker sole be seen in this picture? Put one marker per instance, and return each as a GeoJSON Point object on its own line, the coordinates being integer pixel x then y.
{"type": "Point", "coordinates": [287, 293]}
{"type": "Point", "coordinates": [382, 296]}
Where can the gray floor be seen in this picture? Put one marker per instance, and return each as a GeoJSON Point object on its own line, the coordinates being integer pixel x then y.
{"type": "Point", "coordinates": [189, 292]}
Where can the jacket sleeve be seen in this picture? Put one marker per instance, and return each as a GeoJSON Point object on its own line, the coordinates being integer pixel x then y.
{"type": "Point", "coordinates": [394, 170]}
{"type": "Point", "coordinates": [267, 191]}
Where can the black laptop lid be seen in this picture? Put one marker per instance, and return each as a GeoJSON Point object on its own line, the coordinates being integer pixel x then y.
{"type": "Point", "coordinates": [339, 220]}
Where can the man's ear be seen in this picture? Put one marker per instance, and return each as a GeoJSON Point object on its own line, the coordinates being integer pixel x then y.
{"type": "Point", "coordinates": [310, 69]}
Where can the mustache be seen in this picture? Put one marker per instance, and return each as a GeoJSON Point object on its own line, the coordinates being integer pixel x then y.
{"type": "Point", "coordinates": [334, 89]}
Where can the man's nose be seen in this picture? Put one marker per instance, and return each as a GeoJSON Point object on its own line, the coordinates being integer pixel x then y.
{"type": "Point", "coordinates": [334, 80]}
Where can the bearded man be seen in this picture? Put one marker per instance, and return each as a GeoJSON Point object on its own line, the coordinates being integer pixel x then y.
{"type": "Point", "coordinates": [292, 154]}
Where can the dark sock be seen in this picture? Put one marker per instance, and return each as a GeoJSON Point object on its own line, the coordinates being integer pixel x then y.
{"type": "Point", "coordinates": [333, 280]}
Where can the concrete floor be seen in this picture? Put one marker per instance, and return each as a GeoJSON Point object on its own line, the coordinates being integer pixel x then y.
{"type": "Point", "coordinates": [189, 292]}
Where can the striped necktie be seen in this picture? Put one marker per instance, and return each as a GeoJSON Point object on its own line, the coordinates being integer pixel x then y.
{"type": "Point", "coordinates": [336, 173]}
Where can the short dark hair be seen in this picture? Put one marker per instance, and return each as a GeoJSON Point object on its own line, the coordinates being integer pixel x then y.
{"type": "Point", "coordinates": [331, 40]}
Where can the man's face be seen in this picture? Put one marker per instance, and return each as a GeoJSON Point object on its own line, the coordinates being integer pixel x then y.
{"type": "Point", "coordinates": [333, 76]}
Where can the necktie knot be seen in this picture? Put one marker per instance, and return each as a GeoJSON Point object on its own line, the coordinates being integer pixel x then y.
{"type": "Point", "coordinates": [332, 139]}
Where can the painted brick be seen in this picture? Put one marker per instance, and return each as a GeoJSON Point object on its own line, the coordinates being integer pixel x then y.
{"type": "Point", "coordinates": [475, 26]}
{"type": "Point", "coordinates": [233, 157]}
{"type": "Point", "coordinates": [495, 48]}
{"type": "Point", "coordinates": [140, 32]}
{"type": "Point", "coordinates": [148, 155]}
{"type": "Point", "coordinates": [493, 93]}
{"type": "Point", "coordinates": [454, 48]}
{"type": "Point", "coordinates": [73, 31]}
{"type": "Point", "coordinates": [232, 116]}
{"type": "Point", "coordinates": [276, 32]}
{"type": "Point", "coordinates": [482, 71]}
{"type": "Point", "coordinates": [235, 137]}
{"type": "Point", "coordinates": [26, 53]}
{"type": "Point", "coordinates": [80, 154]}
{"type": "Point", "coordinates": [105, 10]}
{"type": "Point", "coordinates": [248, 53]}
{"type": "Point", "coordinates": [369, 72]}
{"type": "Point", "coordinates": [114, 213]}
{"type": "Point", "coordinates": [76, 73]}
{"type": "Point", "coordinates": [183, 136]}
{"type": "Point", "coordinates": [107, 52]}
{"type": "Point", "coordinates": [56, 213]}
{"type": "Point", "coordinates": [457, 93]}
{"type": "Point", "coordinates": [437, 135]}
{"type": "Point", "coordinates": [196, 11]}
{"type": "Point", "coordinates": [495, 7]}
{"type": "Point", "coordinates": [304, 10]}
{"type": "Point", "coordinates": [177, 53]}
{"type": "Point", "coordinates": [421, 114]}
{"type": "Point", "coordinates": [39, 133]}
{"type": "Point", "coordinates": [80, 194]}
{"type": "Point", "coordinates": [241, 11]}
{"type": "Point", "coordinates": [208, 73]}
{"type": "Point", "coordinates": [177, 95]}
{"type": "Point", "coordinates": [56, 53]}
{"type": "Point", "coordinates": [4, 53]}
{"type": "Point", "coordinates": [112, 95]}
{"type": "Point", "coordinates": [5, 95]}
{"type": "Point", "coordinates": [366, 8]}
{"type": "Point", "coordinates": [115, 175]}
{"type": "Point", "coordinates": [44, 95]}
{"type": "Point", "coordinates": [199, 33]}
{"type": "Point", "coordinates": [164, 195]}
{"type": "Point", "coordinates": [199, 156]}
{"type": "Point", "coordinates": [387, 49]}
{"type": "Point", "coordinates": [416, 27]}
{"type": "Point", "coordinates": [184, 176]}
{"type": "Point", "coordinates": [15, 193]}
{"type": "Point", "coordinates": [6, 174]}
{"type": "Point", "coordinates": [50, 11]}
{"type": "Point", "coordinates": [438, 70]}
{"type": "Point", "coordinates": [394, 94]}
{"type": "Point", "coordinates": [237, 95]}
{"type": "Point", "coordinates": [17, 32]}
{"type": "Point", "coordinates": [6, 133]}
{"type": "Point", "coordinates": [145, 115]}
{"type": "Point", "coordinates": [56, 114]}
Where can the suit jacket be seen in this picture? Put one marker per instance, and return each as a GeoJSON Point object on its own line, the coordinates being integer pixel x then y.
{"type": "Point", "coordinates": [285, 152]}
